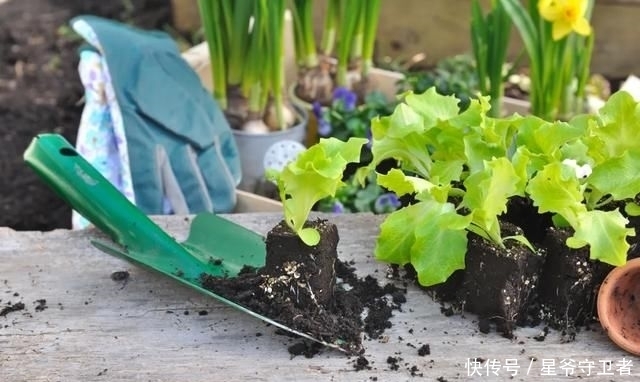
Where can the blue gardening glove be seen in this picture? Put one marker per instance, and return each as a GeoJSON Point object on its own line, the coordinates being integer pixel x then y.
{"type": "Point", "coordinates": [181, 152]}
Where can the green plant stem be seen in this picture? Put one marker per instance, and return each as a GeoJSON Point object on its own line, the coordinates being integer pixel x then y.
{"type": "Point", "coordinates": [371, 17]}
{"type": "Point", "coordinates": [257, 70]}
{"type": "Point", "coordinates": [583, 69]}
{"type": "Point", "coordinates": [239, 38]}
{"type": "Point", "coordinates": [298, 38]}
{"type": "Point", "coordinates": [559, 70]}
{"type": "Point", "coordinates": [583, 59]}
{"type": "Point", "coordinates": [479, 40]}
{"type": "Point", "coordinates": [349, 23]}
{"type": "Point", "coordinates": [213, 25]}
{"type": "Point", "coordinates": [275, 47]}
{"type": "Point", "coordinates": [357, 39]}
{"type": "Point", "coordinates": [330, 27]}
{"type": "Point", "coordinates": [304, 34]}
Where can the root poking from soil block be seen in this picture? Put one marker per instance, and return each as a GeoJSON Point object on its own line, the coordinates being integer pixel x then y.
{"type": "Point", "coordinates": [499, 283]}
{"type": "Point", "coordinates": [310, 270]}
{"type": "Point", "coordinates": [297, 287]}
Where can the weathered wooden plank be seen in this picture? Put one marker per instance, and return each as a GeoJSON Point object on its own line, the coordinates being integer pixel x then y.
{"type": "Point", "coordinates": [98, 329]}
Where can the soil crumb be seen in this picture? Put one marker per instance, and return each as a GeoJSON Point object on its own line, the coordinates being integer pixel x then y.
{"type": "Point", "coordinates": [10, 308]}
{"type": "Point", "coordinates": [339, 323]}
{"type": "Point", "coordinates": [41, 305]}
{"type": "Point", "coordinates": [424, 350]}
{"type": "Point", "coordinates": [361, 363]}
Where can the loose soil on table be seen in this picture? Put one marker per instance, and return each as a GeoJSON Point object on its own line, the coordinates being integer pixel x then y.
{"type": "Point", "coordinates": [40, 91]}
{"type": "Point", "coordinates": [282, 297]}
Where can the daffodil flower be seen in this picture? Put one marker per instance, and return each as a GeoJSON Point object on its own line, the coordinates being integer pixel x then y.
{"type": "Point", "coordinates": [566, 16]}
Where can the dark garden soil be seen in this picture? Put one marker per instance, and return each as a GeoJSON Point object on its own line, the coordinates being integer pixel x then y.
{"type": "Point", "coordinates": [40, 91]}
{"type": "Point", "coordinates": [510, 287]}
{"type": "Point", "coordinates": [312, 291]}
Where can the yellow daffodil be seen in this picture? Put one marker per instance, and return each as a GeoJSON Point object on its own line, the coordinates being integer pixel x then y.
{"type": "Point", "coordinates": [566, 16]}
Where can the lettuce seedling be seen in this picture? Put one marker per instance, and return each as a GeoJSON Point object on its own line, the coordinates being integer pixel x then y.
{"type": "Point", "coordinates": [585, 167]}
{"type": "Point", "coordinates": [463, 167]}
{"type": "Point", "coordinates": [457, 164]}
{"type": "Point", "coordinates": [315, 174]}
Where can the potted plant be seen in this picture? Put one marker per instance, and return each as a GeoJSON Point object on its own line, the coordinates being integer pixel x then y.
{"type": "Point", "coordinates": [588, 170]}
{"type": "Point", "coordinates": [558, 40]}
{"type": "Point", "coordinates": [349, 32]}
{"type": "Point", "coordinates": [245, 44]}
{"type": "Point", "coordinates": [466, 171]}
{"type": "Point", "coordinates": [342, 60]}
{"type": "Point", "coordinates": [298, 284]}
{"type": "Point", "coordinates": [457, 168]}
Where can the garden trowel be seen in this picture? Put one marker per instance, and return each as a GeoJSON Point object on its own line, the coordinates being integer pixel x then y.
{"type": "Point", "coordinates": [215, 246]}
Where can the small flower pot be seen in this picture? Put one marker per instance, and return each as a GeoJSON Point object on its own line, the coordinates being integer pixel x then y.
{"type": "Point", "coordinates": [619, 306]}
{"type": "Point", "coordinates": [253, 147]}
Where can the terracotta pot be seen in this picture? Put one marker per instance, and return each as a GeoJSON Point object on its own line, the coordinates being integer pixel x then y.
{"type": "Point", "coordinates": [619, 306]}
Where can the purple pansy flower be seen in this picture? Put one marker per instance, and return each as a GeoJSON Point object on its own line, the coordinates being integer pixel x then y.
{"type": "Point", "coordinates": [346, 96]}
{"type": "Point", "coordinates": [324, 127]}
{"type": "Point", "coordinates": [316, 108]}
{"type": "Point", "coordinates": [338, 207]}
{"type": "Point", "coordinates": [387, 202]}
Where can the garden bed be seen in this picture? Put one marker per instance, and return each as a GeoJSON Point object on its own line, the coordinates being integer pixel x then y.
{"type": "Point", "coordinates": [40, 91]}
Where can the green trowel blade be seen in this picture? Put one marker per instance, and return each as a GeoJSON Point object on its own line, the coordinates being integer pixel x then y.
{"type": "Point", "coordinates": [214, 246]}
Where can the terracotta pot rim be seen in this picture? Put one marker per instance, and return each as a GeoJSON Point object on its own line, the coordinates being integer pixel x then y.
{"type": "Point", "coordinates": [607, 295]}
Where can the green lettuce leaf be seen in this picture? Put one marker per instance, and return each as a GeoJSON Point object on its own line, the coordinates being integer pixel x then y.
{"type": "Point", "coordinates": [429, 235]}
{"type": "Point", "coordinates": [605, 232]}
{"type": "Point", "coordinates": [433, 107]}
{"type": "Point", "coordinates": [487, 193]}
{"type": "Point", "coordinates": [556, 189]}
{"type": "Point", "coordinates": [410, 149]}
{"type": "Point", "coordinates": [618, 176]}
{"type": "Point", "coordinates": [322, 166]}
{"type": "Point", "coordinates": [620, 125]}
{"type": "Point", "coordinates": [397, 181]}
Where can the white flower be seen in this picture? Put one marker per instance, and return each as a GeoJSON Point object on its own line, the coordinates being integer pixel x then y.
{"type": "Point", "coordinates": [581, 171]}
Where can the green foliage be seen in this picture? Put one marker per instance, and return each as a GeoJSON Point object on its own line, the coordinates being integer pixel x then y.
{"type": "Point", "coordinates": [454, 75]}
{"type": "Point", "coordinates": [609, 148]}
{"type": "Point", "coordinates": [490, 35]}
{"type": "Point", "coordinates": [315, 174]}
{"type": "Point", "coordinates": [559, 68]}
{"type": "Point", "coordinates": [343, 119]}
{"type": "Point", "coordinates": [464, 166]}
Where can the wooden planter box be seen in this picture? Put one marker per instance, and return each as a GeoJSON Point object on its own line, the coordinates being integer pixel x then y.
{"type": "Point", "coordinates": [248, 202]}
{"type": "Point", "coordinates": [512, 105]}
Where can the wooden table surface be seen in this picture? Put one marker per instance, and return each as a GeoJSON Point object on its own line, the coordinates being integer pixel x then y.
{"type": "Point", "coordinates": [152, 329]}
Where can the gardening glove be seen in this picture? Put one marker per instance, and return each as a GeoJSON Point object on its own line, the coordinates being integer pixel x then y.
{"type": "Point", "coordinates": [164, 126]}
